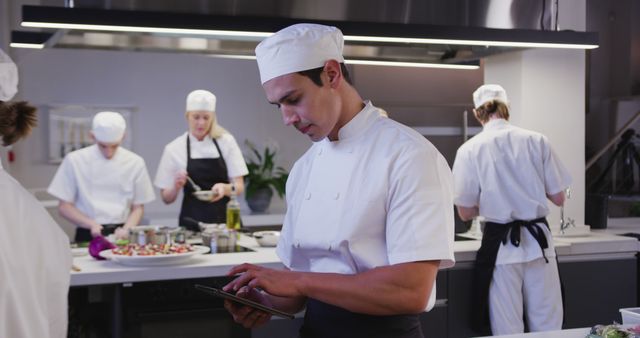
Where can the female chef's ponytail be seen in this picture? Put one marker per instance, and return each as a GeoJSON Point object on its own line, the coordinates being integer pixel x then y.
{"type": "Point", "coordinates": [16, 120]}
{"type": "Point", "coordinates": [489, 108]}
{"type": "Point", "coordinates": [216, 130]}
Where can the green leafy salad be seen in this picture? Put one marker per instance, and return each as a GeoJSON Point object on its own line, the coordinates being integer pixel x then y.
{"type": "Point", "coordinates": [614, 331]}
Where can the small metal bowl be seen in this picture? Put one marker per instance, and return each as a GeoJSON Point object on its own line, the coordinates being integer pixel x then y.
{"type": "Point", "coordinates": [219, 238]}
{"type": "Point", "coordinates": [155, 234]}
{"type": "Point", "coordinates": [205, 195]}
{"type": "Point", "coordinates": [267, 238]}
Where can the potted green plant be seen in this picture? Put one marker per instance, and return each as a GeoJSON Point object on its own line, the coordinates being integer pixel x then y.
{"type": "Point", "coordinates": [264, 177]}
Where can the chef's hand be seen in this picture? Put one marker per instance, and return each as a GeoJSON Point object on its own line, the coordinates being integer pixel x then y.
{"type": "Point", "coordinates": [180, 179]}
{"type": "Point", "coordinates": [246, 315]}
{"type": "Point", "coordinates": [122, 233]}
{"type": "Point", "coordinates": [219, 191]}
{"type": "Point", "coordinates": [96, 230]}
{"type": "Point", "coordinates": [283, 283]}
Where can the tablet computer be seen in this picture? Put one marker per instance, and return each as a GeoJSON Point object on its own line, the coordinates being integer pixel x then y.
{"type": "Point", "coordinates": [244, 301]}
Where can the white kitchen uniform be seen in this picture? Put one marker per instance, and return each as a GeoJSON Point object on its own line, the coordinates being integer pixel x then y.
{"type": "Point", "coordinates": [35, 263]}
{"type": "Point", "coordinates": [508, 172]}
{"type": "Point", "coordinates": [103, 189]}
{"type": "Point", "coordinates": [174, 157]}
{"type": "Point", "coordinates": [380, 195]}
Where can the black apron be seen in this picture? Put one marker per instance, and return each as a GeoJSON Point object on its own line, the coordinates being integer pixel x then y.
{"type": "Point", "coordinates": [494, 235]}
{"type": "Point", "coordinates": [323, 320]}
{"type": "Point", "coordinates": [205, 172]}
{"type": "Point", "coordinates": [84, 235]}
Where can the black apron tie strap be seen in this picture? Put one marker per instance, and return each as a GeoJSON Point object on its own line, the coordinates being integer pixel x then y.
{"type": "Point", "coordinates": [513, 233]}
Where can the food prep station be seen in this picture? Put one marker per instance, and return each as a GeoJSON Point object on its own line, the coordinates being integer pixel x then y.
{"type": "Point", "coordinates": [599, 248]}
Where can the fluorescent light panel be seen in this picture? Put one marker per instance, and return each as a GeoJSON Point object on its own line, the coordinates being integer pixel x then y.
{"type": "Point", "coordinates": [467, 42]}
{"type": "Point", "coordinates": [135, 29]}
{"type": "Point", "coordinates": [411, 64]}
{"type": "Point", "coordinates": [369, 62]}
{"type": "Point", "coordinates": [262, 35]}
{"type": "Point", "coordinates": [27, 45]}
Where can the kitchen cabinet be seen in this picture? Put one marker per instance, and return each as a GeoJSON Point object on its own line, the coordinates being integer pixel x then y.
{"type": "Point", "coordinates": [594, 291]}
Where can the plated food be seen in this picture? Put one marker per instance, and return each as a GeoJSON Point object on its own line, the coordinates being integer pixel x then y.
{"type": "Point", "coordinates": [134, 249]}
{"type": "Point", "coordinates": [153, 254]}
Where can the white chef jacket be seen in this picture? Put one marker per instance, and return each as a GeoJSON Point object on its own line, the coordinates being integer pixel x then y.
{"type": "Point", "coordinates": [508, 171]}
{"type": "Point", "coordinates": [174, 157]}
{"type": "Point", "coordinates": [380, 195]}
{"type": "Point", "coordinates": [35, 263]}
{"type": "Point", "coordinates": [103, 189]}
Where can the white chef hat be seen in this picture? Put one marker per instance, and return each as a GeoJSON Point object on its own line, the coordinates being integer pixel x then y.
{"type": "Point", "coordinates": [488, 92]}
{"type": "Point", "coordinates": [108, 127]}
{"type": "Point", "coordinates": [201, 100]}
{"type": "Point", "coordinates": [8, 77]}
{"type": "Point", "coordinates": [297, 48]}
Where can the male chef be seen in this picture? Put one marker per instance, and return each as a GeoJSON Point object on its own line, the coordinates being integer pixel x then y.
{"type": "Point", "coordinates": [103, 188]}
{"type": "Point", "coordinates": [369, 219]}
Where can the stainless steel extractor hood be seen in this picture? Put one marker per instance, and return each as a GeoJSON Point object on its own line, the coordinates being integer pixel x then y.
{"type": "Point", "coordinates": [384, 32]}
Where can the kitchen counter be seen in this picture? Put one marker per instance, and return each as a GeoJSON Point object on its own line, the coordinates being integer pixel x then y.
{"type": "Point", "coordinates": [605, 243]}
{"type": "Point", "coordinates": [601, 244]}
{"type": "Point", "coordinates": [94, 272]}
{"type": "Point", "coordinates": [572, 333]}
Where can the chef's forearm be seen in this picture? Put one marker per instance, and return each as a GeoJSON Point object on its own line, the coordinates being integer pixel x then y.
{"type": "Point", "coordinates": [75, 216]}
{"type": "Point", "coordinates": [168, 195]}
{"type": "Point", "coordinates": [467, 213]}
{"type": "Point", "coordinates": [390, 290]}
{"type": "Point", "coordinates": [137, 211]}
{"type": "Point", "coordinates": [239, 183]}
{"type": "Point", "coordinates": [288, 304]}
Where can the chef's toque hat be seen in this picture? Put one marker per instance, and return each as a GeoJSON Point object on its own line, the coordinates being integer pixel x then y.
{"type": "Point", "coordinates": [201, 100]}
{"type": "Point", "coordinates": [108, 127]}
{"type": "Point", "coordinates": [297, 48]}
{"type": "Point", "coordinates": [8, 77]}
{"type": "Point", "coordinates": [488, 92]}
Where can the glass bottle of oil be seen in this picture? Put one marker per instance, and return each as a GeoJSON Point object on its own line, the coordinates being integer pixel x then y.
{"type": "Point", "coordinates": [233, 210]}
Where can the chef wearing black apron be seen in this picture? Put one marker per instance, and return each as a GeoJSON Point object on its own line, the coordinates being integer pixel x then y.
{"type": "Point", "coordinates": [205, 172]}
{"type": "Point", "coordinates": [507, 175]}
{"type": "Point", "coordinates": [209, 156]}
{"type": "Point", "coordinates": [369, 219]}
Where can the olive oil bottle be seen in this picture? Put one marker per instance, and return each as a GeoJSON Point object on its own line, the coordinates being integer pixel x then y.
{"type": "Point", "coordinates": [233, 210]}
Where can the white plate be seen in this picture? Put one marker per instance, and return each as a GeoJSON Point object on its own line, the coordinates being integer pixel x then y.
{"type": "Point", "coordinates": [79, 252]}
{"type": "Point", "coordinates": [154, 260]}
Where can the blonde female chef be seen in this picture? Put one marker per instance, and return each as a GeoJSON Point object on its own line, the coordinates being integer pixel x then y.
{"type": "Point", "coordinates": [506, 174]}
{"type": "Point", "coordinates": [209, 155]}
{"type": "Point", "coordinates": [36, 259]}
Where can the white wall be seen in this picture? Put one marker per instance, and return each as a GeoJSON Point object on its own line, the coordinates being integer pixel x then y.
{"type": "Point", "coordinates": [546, 89]}
{"type": "Point", "coordinates": [157, 84]}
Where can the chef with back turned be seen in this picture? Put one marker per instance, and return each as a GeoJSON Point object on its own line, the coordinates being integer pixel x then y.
{"type": "Point", "coordinates": [506, 174]}
{"type": "Point", "coordinates": [369, 219]}
{"type": "Point", "coordinates": [103, 188]}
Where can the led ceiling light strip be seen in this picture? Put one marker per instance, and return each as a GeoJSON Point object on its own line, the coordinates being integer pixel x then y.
{"type": "Point", "coordinates": [468, 42]}
{"type": "Point", "coordinates": [371, 62]}
{"type": "Point", "coordinates": [35, 40]}
{"type": "Point", "coordinates": [262, 35]}
{"type": "Point", "coordinates": [411, 64]}
{"type": "Point", "coordinates": [139, 29]}
{"type": "Point", "coordinates": [258, 28]}
{"type": "Point", "coordinates": [26, 45]}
